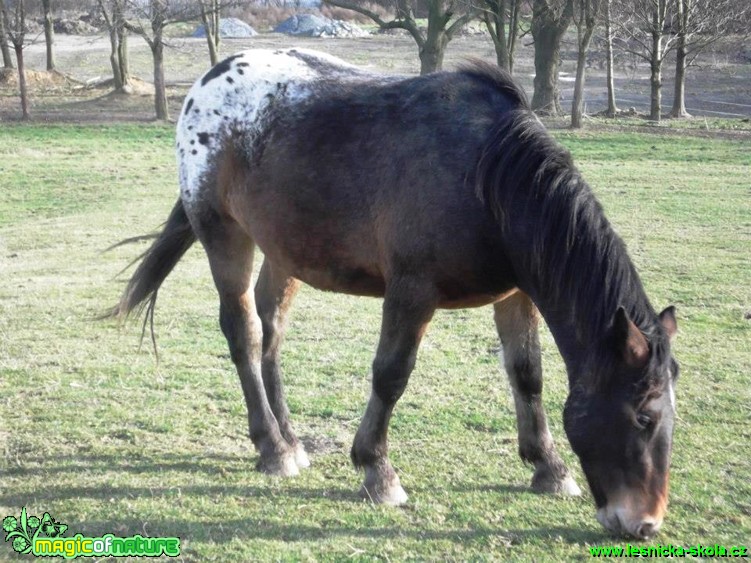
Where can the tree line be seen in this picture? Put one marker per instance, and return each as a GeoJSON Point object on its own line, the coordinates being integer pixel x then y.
{"type": "Point", "coordinates": [646, 29]}
{"type": "Point", "coordinates": [145, 18]}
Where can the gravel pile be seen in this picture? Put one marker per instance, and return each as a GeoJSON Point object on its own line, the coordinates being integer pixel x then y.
{"type": "Point", "coordinates": [229, 28]}
{"type": "Point", "coordinates": [309, 25]}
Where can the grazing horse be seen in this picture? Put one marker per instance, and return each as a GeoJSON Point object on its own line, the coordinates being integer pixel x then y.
{"type": "Point", "coordinates": [441, 191]}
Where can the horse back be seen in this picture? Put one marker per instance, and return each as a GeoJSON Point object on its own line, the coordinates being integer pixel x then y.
{"type": "Point", "coordinates": [349, 179]}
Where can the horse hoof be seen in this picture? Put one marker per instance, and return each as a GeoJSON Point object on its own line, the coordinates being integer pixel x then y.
{"type": "Point", "coordinates": [301, 458]}
{"type": "Point", "coordinates": [548, 484]}
{"type": "Point", "coordinates": [284, 465]}
{"type": "Point", "coordinates": [392, 495]}
{"type": "Point", "coordinates": [570, 488]}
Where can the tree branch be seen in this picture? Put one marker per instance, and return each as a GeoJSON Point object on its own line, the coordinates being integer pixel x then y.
{"type": "Point", "coordinates": [408, 24]}
{"type": "Point", "coordinates": [460, 22]}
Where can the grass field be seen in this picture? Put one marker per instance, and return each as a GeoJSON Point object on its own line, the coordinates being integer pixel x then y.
{"type": "Point", "coordinates": [108, 441]}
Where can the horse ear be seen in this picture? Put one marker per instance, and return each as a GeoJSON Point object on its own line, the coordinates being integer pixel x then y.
{"type": "Point", "coordinates": [631, 343]}
{"type": "Point", "coordinates": [668, 321]}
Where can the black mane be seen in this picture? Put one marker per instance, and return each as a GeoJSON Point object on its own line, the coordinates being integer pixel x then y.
{"type": "Point", "coordinates": [577, 260]}
{"type": "Point", "coordinates": [498, 79]}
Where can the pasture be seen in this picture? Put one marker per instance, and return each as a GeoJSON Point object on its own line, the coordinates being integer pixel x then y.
{"type": "Point", "coordinates": [109, 441]}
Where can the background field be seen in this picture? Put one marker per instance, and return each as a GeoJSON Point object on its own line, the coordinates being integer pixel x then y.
{"type": "Point", "coordinates": [97, 433]}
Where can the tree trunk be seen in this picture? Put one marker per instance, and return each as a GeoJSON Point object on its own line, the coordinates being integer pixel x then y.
{"type": "Point", "coordinates": [547, 31]}
{"type": "Point", "coordinates": [160, 89]}
{"type": "Point", "coordinates": [495, 22]}
{"type": "Point", "coordinates": [547, 54]}
{"type": "Point", "coordinates": [431, 54]}
{"type": "Point", "coordinates": [679, 96]}
{"type": "Point", "coordinates": [49, 34]}
{"type": "Point", "coordinates": [577, 107]}
{"type": "Point", "coordinates": [123, 65]}
{"type": "Point", "coordinates": [434, 46]}
{"type": "Point", "coordinates": [210, 18]}
{"type": "Point", "coordinates": [116, 74]}
{"type": "Point", "coordinates": [513, 32]}
{"type": "Point", "coordinates": [123, 61]}
{"type": "Point", "coordinates": [22, 82]}
{"type": "Point", "coordinates": [213, 54]}
{"type": "Point", "coordinates": [655, 79]}
{"type": "Point", "coordinates": [612, 108]}
{"type": "Point", "coordinates": [7, 57]}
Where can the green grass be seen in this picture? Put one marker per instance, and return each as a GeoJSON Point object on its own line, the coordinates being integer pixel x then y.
{"type": "Point", "coordinates": [107, 440]}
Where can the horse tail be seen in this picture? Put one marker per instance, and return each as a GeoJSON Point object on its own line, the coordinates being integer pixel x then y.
{"type": "Point", "coordinates": [157, 262]}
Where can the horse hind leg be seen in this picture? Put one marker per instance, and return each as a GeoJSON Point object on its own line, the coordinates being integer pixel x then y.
{"type": "Point", "coordinates": [274, 294]}
{"type": "Point", "coordinates": [230, 253]}
{"type": "Point", "coordinates": [516, 319]}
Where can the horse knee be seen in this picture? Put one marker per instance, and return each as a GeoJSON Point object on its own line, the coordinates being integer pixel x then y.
{"type": "Point", "coordinates": [390, 377]}
{"type": "Point", "coordinates": [525, 375]}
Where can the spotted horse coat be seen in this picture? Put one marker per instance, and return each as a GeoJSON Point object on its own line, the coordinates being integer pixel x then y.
{"type": "Point", "coordinates": [239, 96]}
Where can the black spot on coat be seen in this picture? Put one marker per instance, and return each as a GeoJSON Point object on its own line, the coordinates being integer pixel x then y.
{"type": "Point", "coordinates": [218, 70]}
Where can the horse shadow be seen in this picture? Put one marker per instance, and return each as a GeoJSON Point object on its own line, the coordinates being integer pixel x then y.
{"type": "Point", "coordinates": [245, 529]}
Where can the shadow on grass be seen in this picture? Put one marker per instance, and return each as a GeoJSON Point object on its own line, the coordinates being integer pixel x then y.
{"type": "Point", "coordinates": [224, 531]}
{"type": "Point", "coordinates": [106, 493]}
{"type": "Point", "coordinates": [211, 464]}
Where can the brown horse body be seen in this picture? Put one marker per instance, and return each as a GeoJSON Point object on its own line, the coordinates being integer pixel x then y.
{"type": "Point", "coordinates": [433, 192]}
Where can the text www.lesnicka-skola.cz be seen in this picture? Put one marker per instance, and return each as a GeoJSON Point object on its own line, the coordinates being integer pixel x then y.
{"type": "Point", "coordinates": [669, 550]}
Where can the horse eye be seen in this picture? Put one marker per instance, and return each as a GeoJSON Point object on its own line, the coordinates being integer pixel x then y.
{"type": "Point", "coordinates": [644, 421]}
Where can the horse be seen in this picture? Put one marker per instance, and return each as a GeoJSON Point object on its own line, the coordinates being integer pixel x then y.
{"type": "Point", "coordinates": [438, 191]}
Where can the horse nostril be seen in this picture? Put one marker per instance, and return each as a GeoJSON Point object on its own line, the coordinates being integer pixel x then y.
{"type": "Point", "coordinates": [646, 531]}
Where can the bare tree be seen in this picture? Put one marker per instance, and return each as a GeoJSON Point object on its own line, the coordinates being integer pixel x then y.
{"type": "Point", "coordinates": [498, 15]}
{"type": "Point", "coordinates": [550, 20]}
{"type": "Point", "coordinates": [114, 17]}
{"type": "Point", "coordinates": [586, 13]}
{"type": "Point", "coordinates": [7, 58]}
{"type": "Point", "coordinates": [210, 16]}
{"type": "Point", "coordinates": [612, 108]}
{"type": "Point", "coordinates": [149, 18]}
{"type": "Point", "coordinates": [149, 23]}
{"type": "Point", "coordinates": [700, 23]}
{"type": "Point", "coordinates": [445, 19]}
{"type": "Point", "coordinates": [14, 19]}
{"type": "Point", "coordinates": [49, 33]}
{"type": "Point", "coordinates": [645, 27]}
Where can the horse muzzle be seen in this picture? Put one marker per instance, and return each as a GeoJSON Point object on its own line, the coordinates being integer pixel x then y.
{"type": "Point", "coordinates": [618, 519]}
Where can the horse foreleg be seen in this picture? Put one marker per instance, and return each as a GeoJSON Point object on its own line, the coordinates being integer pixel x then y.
{"type": "Point", "coordinates": [405, 318]}
{"type": "Point", "coordinates": [516, 319]}
{"type": "Point", "coordinates": [274, 294]}
{"type": "Point", "coordinates": [230, 253]}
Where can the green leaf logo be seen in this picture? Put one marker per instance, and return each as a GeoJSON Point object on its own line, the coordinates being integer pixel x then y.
{"type": "Point", "coordinates": [22, 532]}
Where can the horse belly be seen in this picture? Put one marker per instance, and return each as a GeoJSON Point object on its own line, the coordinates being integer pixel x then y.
{"type": "Point", "coordinates": [328, 248]}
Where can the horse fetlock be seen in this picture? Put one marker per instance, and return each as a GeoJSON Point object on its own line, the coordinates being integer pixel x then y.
{"type": "Point", "coordinates": [382, 486]}
{"type": "Point", "coordinates": [365, 454]}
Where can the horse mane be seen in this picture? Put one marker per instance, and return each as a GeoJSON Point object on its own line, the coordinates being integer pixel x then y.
{"type": "Point", "coordinates": [575, 259]}
{"type": "Point", "coordinates": [497, 78]}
